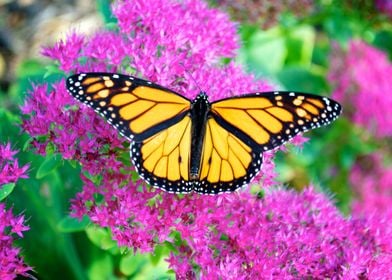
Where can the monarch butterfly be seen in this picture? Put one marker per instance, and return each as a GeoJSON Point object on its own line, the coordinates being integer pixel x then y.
{"type": "Point", "coordinates": [181, 145]}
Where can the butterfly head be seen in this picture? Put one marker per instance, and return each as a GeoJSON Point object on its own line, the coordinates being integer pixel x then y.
{"type": "Point", "coordinates": [201, 97]}
{"type": "Point", "coordinates": [200, 105]}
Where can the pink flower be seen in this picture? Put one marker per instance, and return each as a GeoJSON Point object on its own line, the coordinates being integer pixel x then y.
{"type": "Point", "coordinates": [11, 263]}
{"type": "Point", "coordinates": [266, 13]}
{"type": "Point", "coordinates": [372, 181]}
{"type": "Point", "coordinates": [362, 83]}
{"type": "Point", "coordinates": [10, 171]}
{"type": "Point", "coordinates": [384, 6]}
{"type": "Point", "coordinates": [259, 238]}
{"type": "Point", "coordinates": [66, 52]}
{"type": "Point", "coordinates": [6, 153]}
{"type": "Point", "coordinates": [187, 27]}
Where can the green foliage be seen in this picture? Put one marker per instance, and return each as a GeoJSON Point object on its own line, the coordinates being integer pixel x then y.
{"type": "Point", "coordinates": [101, 238]}
{"type": "Point", "coordinates": [6, 190]}
{"type": "Point", "coordinates": [48, 166]}
{"type": "Point", "coordinates": [70, 224]}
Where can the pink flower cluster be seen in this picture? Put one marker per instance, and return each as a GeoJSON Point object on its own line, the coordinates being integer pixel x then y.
{"type": "Point", "coordinates": [67, 129]}
{"type": "Point", "coordinates": [372, 182]}
{"type": "Point", "coordinates": [362, 78]}
{"type": "Point", "coordinates": [384, 6]}
{"type": "Point", "coordinates": [229, 236]}
{"type": "Point", "coordinates": [10, 171]}
{"type": "Point", "coordinates": [284, 235]}
{"type": "Point", "coordinates": [266, 13]}
{"type": "Point", "coordinates": [11, 263]}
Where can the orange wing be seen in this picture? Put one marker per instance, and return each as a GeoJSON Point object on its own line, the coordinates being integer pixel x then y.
{"type": "Point", "coordinates": [163, 159]}
{"type": "Point", "coordinates": [227, 163]}
{"type": "Point", "coordinates": [135, 107]}
{"type": "Point", "coordinates": [267, 120]}
{"type": "Point", "coordinates": [238, 129]}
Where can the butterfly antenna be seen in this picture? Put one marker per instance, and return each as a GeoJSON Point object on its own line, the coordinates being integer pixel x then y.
{"type": "Point", "coordinates": [193, 79]}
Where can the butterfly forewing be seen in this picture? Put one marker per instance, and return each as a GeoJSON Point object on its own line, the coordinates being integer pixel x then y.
{"type": "Point", "coordinates": [135, 107]}
{"type": "Point", "coordinates": [269, 119]}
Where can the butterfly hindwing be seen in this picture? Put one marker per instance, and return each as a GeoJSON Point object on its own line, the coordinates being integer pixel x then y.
{"type": "Point", "coordinates": [227, 163]}
{"type": "Point", "coordinates": [163, 159]}
{"type": "Point", "coordinates": [267, 120]}
{"type": "Point", "coordinates": [135, 107]}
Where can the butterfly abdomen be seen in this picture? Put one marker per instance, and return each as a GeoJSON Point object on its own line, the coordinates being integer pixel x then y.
{"type": "Point", "coordinates": [199, 113]}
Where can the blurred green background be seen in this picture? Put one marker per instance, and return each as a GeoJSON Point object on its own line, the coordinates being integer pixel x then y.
{"type": "Point", "coordinates": [290, 48]}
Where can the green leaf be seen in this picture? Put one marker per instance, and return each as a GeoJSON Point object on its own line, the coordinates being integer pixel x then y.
{"type": "Point", "coordinates": [300, 45]}
{"type": "Point", "coordinates": [103, 6]}
{"type": "Point", "coordinates": [99, 198]}
{"type": "Point", "coordinates": [347, 158]}
{"type": "Point", "coordinates": [52, 69]}
{"type": "Point", "coordinates": [73, 163]}
{"type": "Point", "coordinates": [247, 31]}
{"type": "Point", "coordinates": [48, 166]}
{"type": "Point", "coordinates": [101, 237]}
{"type": "Point", "coordinates": [9, 124]}
{"type": "Point", "coordinates": [138, 267]}
{"type": "Point", "coordinates": [338, 27]}
{"type": "Point", "coordinates": [155, 200]}
{"type": "Point", "coordinates": [101, 268]}
{"type": "Point", "coordinates": [30, 67]}
{"type": "Point", "coordinates": [96, 179]}
{"type": "Point", "coordinates": [6, 190]}
{"type": "Point", "coordinates": [70, 224]}
{"type": "Point", "coordinates": [50, 149]}
{"type": "Point", "coordinates": [303, 80]}
{"type": "Point", "coordinates": [265, 52]}
{"type": "Point", "coordinates": [27, 144]}
{"type": "Point", "coordinates": [160, 251]}
{"type": "Point", "coordinates": [135, 176]}
{"type": "Point", "coordinates": [132, 264]}
{"type": "Point", "coordinates": [383, 40]}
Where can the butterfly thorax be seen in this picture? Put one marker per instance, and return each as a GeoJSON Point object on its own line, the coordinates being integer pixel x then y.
{"type": "Point", "coordinates": [199, 114]}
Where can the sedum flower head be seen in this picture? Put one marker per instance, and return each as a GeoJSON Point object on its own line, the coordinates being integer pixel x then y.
{"type": "Point", "coordinates": [362, 83]}
{"type": "Point", "coordinates": [284, 235]}
{"type": "Point", "coordinates": [384, 6]}
{"type": "Point", "coordinates": [266, 13]}
{"type": "Point", "coordinates": [11, 263]}
{"type": "Point", "coordinates": [372, 181]}
{"type": "Point", "coordinates": [10, 171]}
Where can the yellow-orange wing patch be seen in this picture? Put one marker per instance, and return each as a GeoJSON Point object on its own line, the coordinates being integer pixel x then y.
{"type": "Point", "coordinates": [227, 163]}
{"type": "Point", "coordinates": [163, 159]}
{"type": "Point", "coordinates": [267, 120]}
{"type": "Point", "coordinates": [135, 107]}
